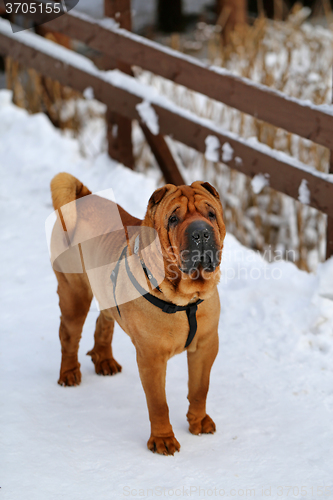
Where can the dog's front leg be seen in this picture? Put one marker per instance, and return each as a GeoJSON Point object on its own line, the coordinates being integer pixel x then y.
{"type": "Point", "coordinates": [199, 365]}
{"type": "Point", "coordinates": [152, 369]}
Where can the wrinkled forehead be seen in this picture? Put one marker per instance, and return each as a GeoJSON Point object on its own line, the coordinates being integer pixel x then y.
{"type": "Point", "coordinates": [185, 197]}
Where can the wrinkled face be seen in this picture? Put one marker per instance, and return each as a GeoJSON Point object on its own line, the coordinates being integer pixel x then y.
{"type": "Point", "coordinates": [189, 221]}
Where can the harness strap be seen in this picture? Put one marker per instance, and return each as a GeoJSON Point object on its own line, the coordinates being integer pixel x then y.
{"type": "Point", "coordinates": [114, 276]}
{"type": "Point", "coordinates": [167, 307]}
{"type": "Point", "coordinates": [191, 312]}
{"type": "Point", "coordinates": [150, 276]}
{"type": "Point", "coordinates": [143, 265]}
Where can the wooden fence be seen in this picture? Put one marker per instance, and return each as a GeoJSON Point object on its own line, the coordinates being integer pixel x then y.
{"type": "Point", "coordinates": [122, 93]}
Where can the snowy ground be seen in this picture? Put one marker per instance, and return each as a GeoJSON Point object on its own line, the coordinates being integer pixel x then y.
{"type": "Point", "coordinates": [271, 392]}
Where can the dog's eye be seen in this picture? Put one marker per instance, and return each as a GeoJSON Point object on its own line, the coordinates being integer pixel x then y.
{"type": "Point", "coordinates": [173, 220]}
{"type": "Point", "coordinates": [211, 215]}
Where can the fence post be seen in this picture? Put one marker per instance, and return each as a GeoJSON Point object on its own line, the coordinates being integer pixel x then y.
{"type": "Point", "coordinates": [329, 236]}
{"type": "Point", "coordinates": [163, 156]}
{"type": "Point", "coordinates": [329, 228]}
{"type": "Point", "coordinates": [119, 129]}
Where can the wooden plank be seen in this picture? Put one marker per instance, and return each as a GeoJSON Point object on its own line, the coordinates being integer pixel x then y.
{"type": "Point", "coordinates": [119, 128]}
{"type": "Point", "coordinates": [120, 10]}
{"type": "Point", "coordinates": [119, 137]}
{"type": "Point", "coordinates": [299, 117]}
{"type": "Point", "coordinates": [329, 237]}
{"type": "Point", "coordinates": [329, 227]}
{"type": "Point", "coordinates": [163, 157]}
{"type": "Point", "coordinates": [122, 94]}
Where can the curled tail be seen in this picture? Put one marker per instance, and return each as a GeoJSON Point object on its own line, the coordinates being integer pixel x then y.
{"type": "Point", "coordinates": [65, 189]}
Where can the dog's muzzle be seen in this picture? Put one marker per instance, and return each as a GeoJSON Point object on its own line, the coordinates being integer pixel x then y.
{"type": "Point", "coordinates": [201, 249]}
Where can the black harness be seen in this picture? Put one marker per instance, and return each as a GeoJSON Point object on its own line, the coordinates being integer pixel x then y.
{"type": "Point", "coordinates": [167, 307]}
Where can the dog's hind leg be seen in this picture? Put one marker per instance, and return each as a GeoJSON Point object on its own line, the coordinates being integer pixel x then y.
{"type": "Point", "coordinates": [74, 300]}
{"type": "Point", "coordinates": [101, 354]}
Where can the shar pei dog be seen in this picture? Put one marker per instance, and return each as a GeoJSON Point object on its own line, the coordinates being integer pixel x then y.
{"type": "Point", "coordinates": [156, 277]}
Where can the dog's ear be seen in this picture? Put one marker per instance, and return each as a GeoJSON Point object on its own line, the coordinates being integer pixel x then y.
{"type": "Point", "coordinates": [159, 194]}
{"type": "Point", "coordinates": [208, 187]}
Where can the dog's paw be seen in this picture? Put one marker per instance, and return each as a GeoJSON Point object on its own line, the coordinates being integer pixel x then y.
{"type": "Point", "coordinates": [70, 377]}
{"type": "Point", "coordinates": [108, 366]}
{"type": "Point", "coordinates": [204, 426]}
{"type": "Point", "coordinates": [163, 445]}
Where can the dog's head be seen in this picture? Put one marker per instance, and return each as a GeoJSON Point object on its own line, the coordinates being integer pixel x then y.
{"type": "Point", "coordinates": [189, 223]}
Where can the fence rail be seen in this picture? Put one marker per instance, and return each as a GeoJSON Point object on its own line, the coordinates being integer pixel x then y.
{"type": "Point", "coordinates": [294, 115]}
{"type": "Point", "coordinates": [122, 93]}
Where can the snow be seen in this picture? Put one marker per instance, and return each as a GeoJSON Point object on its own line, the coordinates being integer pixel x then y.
{"type": "Point", "coordinates": [227, 152]}
{"type": "Point", "coordinates": [304, 194]}
{"type": "Point", "coordinates": [148, 116]}
{"type": "Point", "coordinates": [88, 93]}
{"type": "Point", "coordinates": [258, 182]}
{"type": "Point", "coordinates": [109, 23]}
{"type": "Point", "coordinates": [213, 145]}
{"type": "Point", "coordinates": [325, 288]}
{"type": "Point", "coordinates": [271, 392]}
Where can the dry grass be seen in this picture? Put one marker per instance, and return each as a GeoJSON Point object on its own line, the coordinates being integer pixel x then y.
{"type": "Point", "coordinates": [38, 94]}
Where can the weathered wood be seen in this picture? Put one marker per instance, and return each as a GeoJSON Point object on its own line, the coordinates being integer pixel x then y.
{"type": "Point", "coordinates": [298, 117]}
{"type": "Point", "coordinates": [122, 94]}
{"type": "Point", "coordinates": [2, 7]}
{"type": "Point", "coordinates": [59, 38]}
{"type": "Point", "coordinates": [119, 137]}
{"type": "Point", "coordinates": [329, 226]}
{"type": "Point", "coordinates": [119, 128]}
{"type": "Point", "coordinates": [329, 237]}
{"type": "Point", "coordinates": [164, 157]}
{"type": "Point", "coordinates": [120, 10]}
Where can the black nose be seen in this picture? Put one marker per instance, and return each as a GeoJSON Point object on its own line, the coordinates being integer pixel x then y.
{"type": "Point", "coordinates": [201, 247]}
{"type": "Point", "coordinates": [200, 235]}
{"type": "Point", "coordinates": [199, 232]}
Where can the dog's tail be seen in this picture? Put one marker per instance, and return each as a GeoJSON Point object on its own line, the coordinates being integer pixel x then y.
{"type": "Point", "coordinates": [65, 188]}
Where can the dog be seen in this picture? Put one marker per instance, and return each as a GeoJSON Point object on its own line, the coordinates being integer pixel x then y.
{"type": "Point", "coordinates": [156, 277]}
